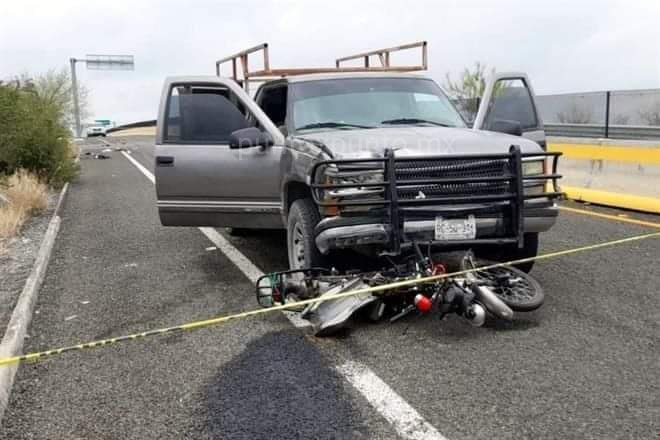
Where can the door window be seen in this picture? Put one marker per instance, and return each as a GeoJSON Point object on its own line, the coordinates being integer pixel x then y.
{"type": "Point", "coordinates": [272, 101]}
{"type": "Point", "coordinates": [202, 114]}
{"type": "Point", "coordinates": [511, 101]}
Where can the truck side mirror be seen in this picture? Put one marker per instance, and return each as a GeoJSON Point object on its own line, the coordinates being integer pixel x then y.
{"type": "Point", "coordinates": [506, 126]}
{"type": "Point", "coordinates": [249, 137]}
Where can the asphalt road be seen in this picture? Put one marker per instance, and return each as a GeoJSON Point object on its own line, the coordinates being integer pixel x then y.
{"type": "Point", "coordinates": [583, 366]}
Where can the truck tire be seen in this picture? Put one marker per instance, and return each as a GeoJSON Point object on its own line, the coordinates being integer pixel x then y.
{"type": "Point", "coordinates": [303, 218]}
{"type": "Point", "coordinates": [238, 232]}
{"type": "Point", "coordinates": [530, 249]}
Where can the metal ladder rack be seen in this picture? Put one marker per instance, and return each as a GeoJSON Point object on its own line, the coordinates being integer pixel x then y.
{"type": "Point", "coordinates": [245, 75]}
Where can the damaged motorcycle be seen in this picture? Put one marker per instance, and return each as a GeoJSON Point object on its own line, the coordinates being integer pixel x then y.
{"type": "Point", "coordinates": [420, 284]}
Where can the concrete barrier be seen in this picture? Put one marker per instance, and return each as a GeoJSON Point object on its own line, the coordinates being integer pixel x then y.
{"type": "Point", "coordinates": [134, 131]}
{"type": "Point", "coordinates": [623, 174]}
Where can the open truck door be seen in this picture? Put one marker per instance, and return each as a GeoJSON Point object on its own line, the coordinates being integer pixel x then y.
{"type": "Point", "coordinates": [509, 106]}
{"type": "Point", "coordinates": [203, 176]}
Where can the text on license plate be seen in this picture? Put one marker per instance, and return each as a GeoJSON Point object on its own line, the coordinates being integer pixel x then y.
{"type": "Point", "coordinates": [455, 228]}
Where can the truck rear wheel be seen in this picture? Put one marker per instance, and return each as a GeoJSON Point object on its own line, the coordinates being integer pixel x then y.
{"type": "Point", "coordinates": [303, 218]}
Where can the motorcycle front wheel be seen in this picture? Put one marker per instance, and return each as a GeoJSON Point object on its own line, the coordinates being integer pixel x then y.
{"type": "Point", "coordinates": [515, 288]}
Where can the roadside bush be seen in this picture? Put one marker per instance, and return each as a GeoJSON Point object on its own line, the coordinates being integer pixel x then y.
{"type": "Point", "coordinates": [34, 135]}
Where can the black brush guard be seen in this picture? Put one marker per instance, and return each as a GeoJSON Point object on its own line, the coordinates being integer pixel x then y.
{"type": "Point", "coordinates": [495, 179]}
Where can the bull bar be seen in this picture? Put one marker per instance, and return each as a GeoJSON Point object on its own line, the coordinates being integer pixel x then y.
{"type": "Point", "coordinates": [511, 180]}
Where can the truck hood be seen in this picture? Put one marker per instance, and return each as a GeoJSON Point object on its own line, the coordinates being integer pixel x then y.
{"type": "Point", "coordinates": [417, 141]}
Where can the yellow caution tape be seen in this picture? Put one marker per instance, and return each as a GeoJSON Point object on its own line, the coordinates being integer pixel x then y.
{"type": "Point", "coordinates": [617, 218]}
{"type": "Point", "coordinates": [37, 356]}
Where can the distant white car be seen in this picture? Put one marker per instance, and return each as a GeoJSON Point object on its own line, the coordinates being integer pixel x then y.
{"type": "Point", "coordinates": [99, 127]}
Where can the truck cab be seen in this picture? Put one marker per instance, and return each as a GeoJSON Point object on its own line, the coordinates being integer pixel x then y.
{"type": "Point", "coordinates": [374, 161]}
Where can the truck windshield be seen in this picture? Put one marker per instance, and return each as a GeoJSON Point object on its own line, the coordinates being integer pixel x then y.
{"type": "Point", "coordinates": [347, 103]}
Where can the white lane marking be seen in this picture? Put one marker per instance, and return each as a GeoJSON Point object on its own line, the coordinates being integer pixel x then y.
{"type": "Point", "coordinates": [140, 167]}
{"type": "Point", "coordinates": [252, 272]}
{"type": "Point", "coordinates": [246, 266]}
{"type": "Point", "coordinates": [407, 422]}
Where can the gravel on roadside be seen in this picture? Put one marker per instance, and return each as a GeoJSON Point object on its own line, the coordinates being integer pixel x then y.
{"type": "Point", "coordinates": [17, 258]}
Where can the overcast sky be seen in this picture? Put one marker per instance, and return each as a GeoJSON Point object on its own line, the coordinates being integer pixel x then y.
{"type": "Point", "coordinates": [564, 46]}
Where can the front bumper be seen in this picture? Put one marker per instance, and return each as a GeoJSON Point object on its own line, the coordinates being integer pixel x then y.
{"type": "Point", "coordinates": [337, 233]}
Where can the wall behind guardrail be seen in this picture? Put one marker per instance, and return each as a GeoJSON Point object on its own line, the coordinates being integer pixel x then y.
{"type": "Point", "coordinates": [616, 114]}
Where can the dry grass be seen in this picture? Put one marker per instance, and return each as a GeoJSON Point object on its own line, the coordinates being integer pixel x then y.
{"type": "Point", "coordinates": [27, 192]}
{"type": "Point", "coordinates": [26, 196]}
{"type": "Point", "coordinates": [74, 150]}
{"type": "Point", "coordinates": [11, 221]}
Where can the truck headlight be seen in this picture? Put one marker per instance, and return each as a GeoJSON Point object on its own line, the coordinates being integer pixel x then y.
{"type": "Point", "coordinates": [356, 178]}
{"type": "Point", "coordinates": [533, 167]}
{"type": "Point", "coordinates": [354, 192]}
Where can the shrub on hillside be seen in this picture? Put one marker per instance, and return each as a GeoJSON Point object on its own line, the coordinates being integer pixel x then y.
{"type": "Point", "coordinates": [34, 135]}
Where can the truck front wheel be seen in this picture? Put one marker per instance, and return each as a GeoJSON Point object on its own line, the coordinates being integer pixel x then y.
{"type": "Point", "coordinates": [530, 249]}
{"type": "Point", "coordinates": [303, 218]}
{"type": "Point", "coordinates": [512, 252]}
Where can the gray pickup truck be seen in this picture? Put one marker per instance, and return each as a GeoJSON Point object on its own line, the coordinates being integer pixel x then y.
{"type": "Point", "coordinates": [371, 161]}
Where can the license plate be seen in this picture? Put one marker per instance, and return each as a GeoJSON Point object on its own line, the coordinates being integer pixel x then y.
{"type": "Point", "coordinates": [455, 228]}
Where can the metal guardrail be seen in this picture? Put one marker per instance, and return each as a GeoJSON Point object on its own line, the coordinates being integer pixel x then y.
{"type": "Point", "coordinates": [150, 123]}
{"type": "Point", "coordinates": [598, 131]}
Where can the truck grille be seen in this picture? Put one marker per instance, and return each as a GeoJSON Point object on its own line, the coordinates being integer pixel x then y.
{"type": "Point", "coordinates": [409, 172]}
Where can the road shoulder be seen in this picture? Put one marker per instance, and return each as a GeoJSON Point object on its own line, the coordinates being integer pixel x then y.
{"type": "Point", "coordinates": [12, 342]}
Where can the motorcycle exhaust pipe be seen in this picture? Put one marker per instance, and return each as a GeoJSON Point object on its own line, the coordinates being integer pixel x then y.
{"type": "Point", "coordinates": [494, 305]}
